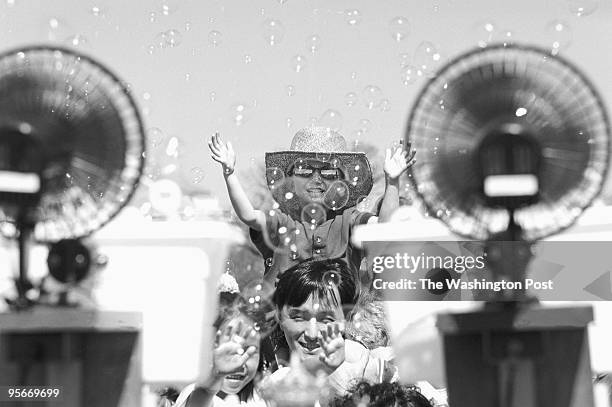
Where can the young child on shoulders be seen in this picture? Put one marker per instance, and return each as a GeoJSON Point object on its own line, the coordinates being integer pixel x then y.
{"type": "Point", "coordinates": [320, 185]}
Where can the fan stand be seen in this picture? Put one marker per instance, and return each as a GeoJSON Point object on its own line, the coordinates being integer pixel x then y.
{"type": "Point", "coordinates": [22, 282]}
{"type": "Point", "coordinates": [514, 352]}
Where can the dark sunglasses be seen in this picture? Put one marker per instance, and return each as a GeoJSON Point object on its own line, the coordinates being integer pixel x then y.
{"type": "Point", "coordinates": [307, 168]}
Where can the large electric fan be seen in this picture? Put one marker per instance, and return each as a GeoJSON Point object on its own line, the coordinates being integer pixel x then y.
{"type": "Point", "coordinates": [71, 148]}
{"type": "Point", "coordinates": [509, 135]}
{"type": "Point", "coordinates": [513, 145]}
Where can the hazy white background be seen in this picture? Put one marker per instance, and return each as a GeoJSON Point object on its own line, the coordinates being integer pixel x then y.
{"type": "Point", "coordinates": [219, 56]}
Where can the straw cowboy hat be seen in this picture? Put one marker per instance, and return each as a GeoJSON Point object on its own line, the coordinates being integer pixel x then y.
{"type": "Point", "coordinates": [326, 145]}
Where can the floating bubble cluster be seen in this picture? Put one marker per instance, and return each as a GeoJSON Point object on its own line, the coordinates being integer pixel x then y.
{"type": "Point", "coordinates": [427, 58]}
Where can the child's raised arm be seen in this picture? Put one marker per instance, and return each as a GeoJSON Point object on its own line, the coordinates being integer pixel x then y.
{"type": "Point", "coordinates": [224, 154]}
{"type": "Point", "coordinates": [396, 163]}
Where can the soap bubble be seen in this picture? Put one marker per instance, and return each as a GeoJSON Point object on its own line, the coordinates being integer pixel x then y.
{"type": "Point", "coordinates": [507, 37]}
{"type": "Point", "coordinates": [214, 38]}
{"type": "Point", "coordinates": [353, 16]}
{"type": "Point", "coordinates": [273, 31]}
{"type": "Point", "coordinates": [582, 8]}
{"type": "Point", "coordinates": [197, 175]}
{"type": "Point", "coordinates": [57, 30]}
{"type": "Point", "coordinates": [408, 74]}
{"type": "Point", "coordinates": [365, 126]}
{"type": "Point", "coordinates": [77, 41]}
{"type": "Point", "coordinates": [259, 306]}
{"type": "Point", "coordinates": [298, 63]}
{"type": "Point", "coordinates": [384, 105]}
{"type": "Point", "coordinates": [332, 119]}
{"type": "Point", "coordinates": [336, 196]}
{"type": "Point", "coordinates": [350, 99]}
{"type": "Point", "coordinates": [372, 95]}
{"type": "Point", "coordinates": [483, 33]}
{"type": "Point", "coordinates": [155, 138]}
{"type": "Point", "coordinates": [275, 177]}
{"type": "Point", "coordinates": [354, 173]}
{"type": "Point", "coordinates": [357, 320]}
{"type": "Point", "coordinates": [168, 39]}
{"type": "Point", "coordinates": [314, 215]}
{"type": "Point", "coordinates": [400, 28]}
{"type": "Point", "coordinates": [332, 278]}
{"type": "Point", "coordinates": [239, 113]}
{"type": "Point", "coordinates": [165, 196]}
{"type": "Point", "coordinates": [427, 59]}
{"type": "Point", "coordinates": [558, 36]}
{"type": "Point", "coordinates": [313, 43]}
{"type": "Point", "coordinates": [169, 6]}
{"type": "Point", "coordinates": [173, 38]}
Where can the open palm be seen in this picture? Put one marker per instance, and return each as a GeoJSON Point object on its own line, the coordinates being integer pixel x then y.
{"type": "Point", "coordinates": [222, 153]}
{"type": "Point", "coordinates": [398, 161]}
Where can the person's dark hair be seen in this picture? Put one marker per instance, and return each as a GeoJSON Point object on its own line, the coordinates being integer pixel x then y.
{"type": "Point", "coordinates": [382, 395]}
{"type": "Point", "coordinates": [316, 277]}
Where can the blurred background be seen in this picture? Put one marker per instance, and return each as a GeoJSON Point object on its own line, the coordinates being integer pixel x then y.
{"type": "Point", "coordinates": [258, 71]}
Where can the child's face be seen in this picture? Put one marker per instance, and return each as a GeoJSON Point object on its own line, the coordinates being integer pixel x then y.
{"type": "Point", "coordinates": [312, 178]}
{"type": "Point", "coordinates": [234, 382]}
{"type": "Point", "coordinates": [301, 326]}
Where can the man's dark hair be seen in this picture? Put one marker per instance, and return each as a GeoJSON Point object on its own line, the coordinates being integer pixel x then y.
{"type": "Point", "coordinates": [315, 277]}
{"type": "Point", "coordinates": [382, 395]}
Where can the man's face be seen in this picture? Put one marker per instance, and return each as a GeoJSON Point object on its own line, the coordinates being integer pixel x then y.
{"type": "Point", "coordinates": [312, 179]}
{"type": "Point", "coordinates": [301, 326]}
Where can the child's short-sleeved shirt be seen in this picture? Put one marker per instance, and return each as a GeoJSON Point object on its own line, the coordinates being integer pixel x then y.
{"type": "Point", "coordinates": [298, 241]}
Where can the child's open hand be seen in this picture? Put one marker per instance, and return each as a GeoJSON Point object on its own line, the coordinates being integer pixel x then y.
{"type": "Point", "coordinates": [222, 153]}
{"type": "Point", "coordinates": [230, 354]}
{"type": "Point", "coordinates": [332, 343]}
{"type": "Point", "coordinates": [398, 161]}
